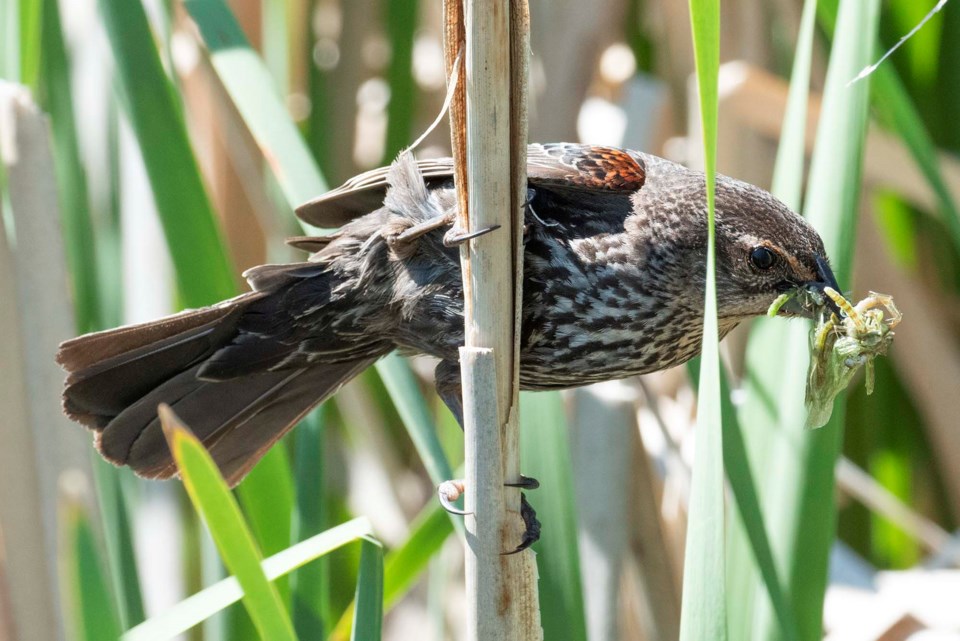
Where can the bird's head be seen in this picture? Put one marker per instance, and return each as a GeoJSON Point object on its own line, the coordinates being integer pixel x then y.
{"type": "Point", "coordinates": [764, 250]}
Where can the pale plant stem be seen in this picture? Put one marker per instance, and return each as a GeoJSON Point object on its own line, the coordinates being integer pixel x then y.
{"type": "Point", "coordinates": [489, 154]}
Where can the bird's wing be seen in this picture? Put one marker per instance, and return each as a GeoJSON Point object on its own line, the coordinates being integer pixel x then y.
{"type": "Point", "coordinates": [585, 168]}
{"type": "Point", "coordinates": [557, 166]}
{"type": "Point", "coordinates": [364, 193]}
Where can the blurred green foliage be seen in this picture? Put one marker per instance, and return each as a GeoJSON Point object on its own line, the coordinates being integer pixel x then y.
{"type": "Point", "coordinates": [299, 489]}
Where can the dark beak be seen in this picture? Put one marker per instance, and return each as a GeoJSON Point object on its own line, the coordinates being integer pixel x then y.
{"type": "Point", "coordinates": [810, 299]}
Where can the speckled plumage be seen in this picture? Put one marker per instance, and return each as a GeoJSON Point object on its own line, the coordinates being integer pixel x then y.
{"type": "Point", "coordinates": [614, 255]}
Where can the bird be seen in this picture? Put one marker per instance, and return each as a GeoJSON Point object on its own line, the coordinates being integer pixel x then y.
{"type": "Point", "coordinates": [614, 258]}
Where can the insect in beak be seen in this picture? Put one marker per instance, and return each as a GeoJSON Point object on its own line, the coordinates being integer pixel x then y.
{"type": "Point", "coordinates": [807, 300]}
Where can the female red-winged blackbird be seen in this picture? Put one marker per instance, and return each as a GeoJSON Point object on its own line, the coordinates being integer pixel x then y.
{"type": "Point", "coordinates": [615, 246]}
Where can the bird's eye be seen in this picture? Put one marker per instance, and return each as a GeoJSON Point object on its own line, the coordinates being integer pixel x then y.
{"type": "Point", "coordinates": [762, 258]}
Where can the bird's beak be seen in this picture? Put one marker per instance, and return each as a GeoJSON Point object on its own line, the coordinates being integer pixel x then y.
{"type": "Point", "coordinates": [810, 299]}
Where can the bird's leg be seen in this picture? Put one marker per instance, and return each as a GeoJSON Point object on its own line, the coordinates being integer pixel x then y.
{"type": "Point", "coordinates": [447, 381]}
{"type": "Point", "coordinates": [447, 375]}
{"type": "Point", "coordinates": [416, 231]}
{"type": "Point", "coordinates": [456, 237]}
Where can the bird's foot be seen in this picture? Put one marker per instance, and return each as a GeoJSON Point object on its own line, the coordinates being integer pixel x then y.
{"type": "Point", "coordinates": [531, 526]}
{"type": "Point", "coordinates": [450, 491]}
{"type": "Point", "coordinates": [456, 237]}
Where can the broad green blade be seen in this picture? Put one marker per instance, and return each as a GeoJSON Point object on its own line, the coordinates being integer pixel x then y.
{"type": "Point", "coordinates": [310, 585]}
{"type": "Point", "coordinates": [791, 152]}
{"type": "Point", "coordinates": [109, 236]}
{"type": "Point", "coordinates": [203, 273]}
{"type": "Point", "coordinates": [110, 482]}
{"type": "Point", "coordinates": [749, 516]}
{"type": "Point", "coordinates": [201, 566]}
{"type": "Point", "coordinates": [405, 393]}
{"type": "Point", "coordinates": [275, 41]}
{"type": "Point", "coordinates": [405, 564]}
{"type": "Point", "coordinates": [834, 186]}
{"type": "Point", "coordinates": [204, 604]}
{"type": "Point", "coordinates": [401, 25]}
{"type": "Point", "coordinates": [92, 616]}
{"type": "Point", "coordinates": [368, 613]}
{"type": "Point", "coordinates": [799, 504]}
{"type": "Point", "coordinates": [948, 75]}
{"type": "Point", "coordinates": [704, 614]}
{"type": "Point", "coordinates": [30, 44]}
{"type": "Point", "coordinates": [897, 112]}
{"type": "Point", "coordinates": [909, 36]}
{"type": "Point", "coordinates": [876, 439]}
{"type": "Point", "coordinates": [748, 543]}
{"type": "Point", "coordinates": [831, 205]}
{"type": "Point", "coordinates": [317, 128]}
{"type": "Point", "coordinates": [266, 495]}
{"type": "Point", "coordinates": [758, 415]}
{"type": "Point", "coordinates": [832, 197]}
{"type": "Point", "coordinates": [545, 451]}
{"type": "Point", "coordinates": [10, 41]}
{"type": "Point", "coordinates": [253, 92]}
{"type": "Point", "coordinates": [212, 499]}
{"type": "Point", "coordinates": [765, 415]}
{"type": "Point", "coordinates": [56, 98]}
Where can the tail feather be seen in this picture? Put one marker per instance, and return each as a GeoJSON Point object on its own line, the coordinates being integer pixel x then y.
{"type": "Point", "coordinates": [105, 388]}
{"type": "Point", "coordinates": [249, 439]}
{"type": "Point", "coordinates": [85, 351]}
{"type": "Point", "coordinates": [126, 429]}
{"type": "Point", "coordinates": [116, 379]}
{"type": "Point", "coordinates": [238, 420]}
{"type": "Point", "coordinates": [247, 353]}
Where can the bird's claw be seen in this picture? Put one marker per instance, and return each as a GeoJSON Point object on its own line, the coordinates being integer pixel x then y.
{"type": "Point", "coordinates": [531, 530]}
{"type": "Point", "coordinates": [455, 238]}
{"type": "Point", "coordinates": [525, 483]}
{"type": "Point", "coordinates": [450, 491]}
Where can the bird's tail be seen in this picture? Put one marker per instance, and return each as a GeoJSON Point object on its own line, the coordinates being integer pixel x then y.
{"type": "Point", "coordinates": [117, 378]}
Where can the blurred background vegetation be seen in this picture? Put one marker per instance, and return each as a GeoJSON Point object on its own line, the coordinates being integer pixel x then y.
{"type": "Point", "coordinates": [182, 135]}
